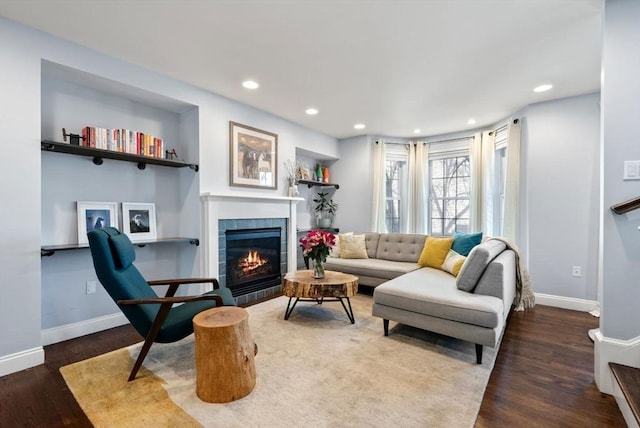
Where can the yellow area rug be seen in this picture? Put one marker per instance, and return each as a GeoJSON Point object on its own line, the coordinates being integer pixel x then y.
{"type": "Point", "coordinates": [316, 369]}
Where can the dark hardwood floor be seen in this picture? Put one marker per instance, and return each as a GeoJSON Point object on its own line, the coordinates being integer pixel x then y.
{"type": "Point", "coordinates": [543, 376]}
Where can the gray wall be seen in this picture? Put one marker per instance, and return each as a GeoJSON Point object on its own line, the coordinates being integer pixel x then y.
{"type": "Point", "coordinates": [621, 141]}
{"type": "Point", "coordinates": [58, 281]}
{"type": "Point", "coordinates": [560, 142]}
{"type": "Point", "coordinates": [559, 191]}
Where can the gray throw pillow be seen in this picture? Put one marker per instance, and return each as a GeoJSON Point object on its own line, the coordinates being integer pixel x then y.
{"type": "Point", "coordinates": [476, 263]}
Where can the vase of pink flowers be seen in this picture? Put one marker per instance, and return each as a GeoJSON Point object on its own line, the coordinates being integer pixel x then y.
{"type": "Point", "coordinates": [316, 245]}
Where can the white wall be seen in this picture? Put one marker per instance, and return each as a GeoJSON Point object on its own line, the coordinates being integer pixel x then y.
{"type": "Point", "coordinates": [560, 141]}
{"type": "Point", "coordinates": [23, 50]}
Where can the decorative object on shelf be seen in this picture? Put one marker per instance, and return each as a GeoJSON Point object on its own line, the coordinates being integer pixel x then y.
{"type": "Point", "coordinates": [316, 245]}
{"type": "Point", "coordinates": [325, 173]}
{"type": "Point", "coordinates": [139, 221]}
{"type": "Point", "coordinates": [95, 215]}
{"type": "Point", "coordinates": [318, 172]}
{"type": "Point", "coordinates": [171, 154]}
{"type": "Point", "coordinates": [73, 138]}
{"type": "Point", "coordinates": [292, 188]}
{"type": "Point", "coordinates": [303, 173]}
{"type": "Point", "coordinates": [325, 210]}
{"type": "Point", "coordinates": [253, 157]}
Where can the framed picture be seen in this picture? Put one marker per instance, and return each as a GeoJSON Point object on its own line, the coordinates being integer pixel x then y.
{"type": "Point", "coordinates": [253, 160]}
{"type": "Point", "coordinates": [95, 215]}
{"type": "Point", "coordinates": [139, 221]}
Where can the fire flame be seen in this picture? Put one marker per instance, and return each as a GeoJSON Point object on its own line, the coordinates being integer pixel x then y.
{"type": "Point", "coordinates": [252, 261]}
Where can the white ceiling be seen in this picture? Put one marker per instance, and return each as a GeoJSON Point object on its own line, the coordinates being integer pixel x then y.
{"type": "Point", "coordinates": [392, 65]}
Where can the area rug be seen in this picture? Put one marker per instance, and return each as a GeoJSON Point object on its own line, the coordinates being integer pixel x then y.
{"type": "Point", "coordinates": [315, 369]}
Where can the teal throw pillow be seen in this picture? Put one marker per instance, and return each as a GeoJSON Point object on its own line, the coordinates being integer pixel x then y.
{"type": "Point", "coordinates": [464, 242]}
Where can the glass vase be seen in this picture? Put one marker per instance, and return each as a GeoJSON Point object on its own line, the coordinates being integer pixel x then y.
{"type": "Point", "coordinates": [318, 269]}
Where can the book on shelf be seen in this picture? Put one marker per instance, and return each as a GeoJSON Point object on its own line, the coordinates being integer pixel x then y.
{"type": "Point", "coordinates": [124, 141]}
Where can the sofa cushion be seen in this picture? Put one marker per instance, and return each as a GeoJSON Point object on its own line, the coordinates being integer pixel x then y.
{"type": "Point", "coordinates": [453, 263]}
{"type": "Point", "coordinates": [371, 240]}
{"type": "Point", "coordinates": [353, 247]}
{"type": "Point", "coordinates": [464, 242]}
{"type": "Point", "coordinates": [370, 267]}
{"type": "Point", "coordinates": [476, 263]}
{"type": "Point", "coordinates": [400, 247]}
{"type": "Point", "coordinates": [433, 292]}
{"type": "Point", "coordinates": [435, 251]}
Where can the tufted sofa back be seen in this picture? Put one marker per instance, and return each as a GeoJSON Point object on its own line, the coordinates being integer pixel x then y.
{"type": "Point", "coordinates": [399, 247]}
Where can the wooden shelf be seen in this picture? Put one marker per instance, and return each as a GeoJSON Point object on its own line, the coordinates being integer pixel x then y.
{"type": "Point", "coordinates": [49, 250]}
{"type": "Point", "coordinates": [99, 154]}
{"type": "Point", "coordinates": [318, 184]}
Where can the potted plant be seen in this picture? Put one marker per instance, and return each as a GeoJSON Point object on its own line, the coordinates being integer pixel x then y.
{"type": "Point", "coordinates": [325, 210]}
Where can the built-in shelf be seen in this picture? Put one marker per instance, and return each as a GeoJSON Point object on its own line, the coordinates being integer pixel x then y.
{"type": "Point", "coordinates": [310, 184]}
{"type": "Point", "coordinates": [49, 250]}
{"type": "Point", "coordinates": [99, 154]}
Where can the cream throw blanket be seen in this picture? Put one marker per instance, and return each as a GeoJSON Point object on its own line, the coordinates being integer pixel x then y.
{"type": "Point", "coordinates": [525, 299]}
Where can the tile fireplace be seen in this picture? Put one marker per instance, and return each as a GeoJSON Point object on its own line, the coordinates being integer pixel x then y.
{"type": "Point", "coordinates": [249, 242]}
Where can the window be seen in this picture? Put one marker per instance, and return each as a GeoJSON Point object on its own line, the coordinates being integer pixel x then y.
{"type": "Point", "coordinates": [449, 191]}
{"type": "Point", "coordinates": [396, 181]}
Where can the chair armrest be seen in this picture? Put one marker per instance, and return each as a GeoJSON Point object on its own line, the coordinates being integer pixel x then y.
{"type": "Point", "coordinates": [172, 300]}
{"type": "Point", "coordinates": [180, 281]}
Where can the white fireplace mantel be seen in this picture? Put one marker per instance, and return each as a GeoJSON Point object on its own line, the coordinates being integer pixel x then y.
{"type": "Point", "coordinates": [217, 206]}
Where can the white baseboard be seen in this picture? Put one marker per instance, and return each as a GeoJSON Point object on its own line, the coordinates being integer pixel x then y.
{"type": "Point", "coordinates": [82, 328]}
{"type": "Point", "coordinates": [21, 360]}
{"type": "Point", "coordinates": [571, 303]}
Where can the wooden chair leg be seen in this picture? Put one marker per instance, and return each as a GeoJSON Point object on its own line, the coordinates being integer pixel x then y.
{"type": "Point", "coordinates": [151, 337]}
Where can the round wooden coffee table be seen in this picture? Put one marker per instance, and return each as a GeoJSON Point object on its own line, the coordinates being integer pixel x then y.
{"type": "Point", "coordinates": [334, 287]}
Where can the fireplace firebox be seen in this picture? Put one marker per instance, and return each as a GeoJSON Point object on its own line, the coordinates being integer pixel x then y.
{"type": "Point", "coordinates": [252, 259]}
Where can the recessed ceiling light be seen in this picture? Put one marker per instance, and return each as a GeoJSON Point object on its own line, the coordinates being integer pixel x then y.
{"type": "Point", "coordinates": [250, 84]}
{"type": "Point", "coordinates": [416, 131]}
{"type": "Point", "coordinates": [311, 111]}
{"type": "Point", "coordinates": [359, 126]}
{"type": "Point", "coordinates": [471, 121]}
{"type": "Point", "coordinates": [542, 88]}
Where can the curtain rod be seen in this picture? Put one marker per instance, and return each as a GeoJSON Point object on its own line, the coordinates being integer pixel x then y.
{"type": "Point", "coordinates": [425, 142]}
{"type": "Point", "coordinates": [451, 139]}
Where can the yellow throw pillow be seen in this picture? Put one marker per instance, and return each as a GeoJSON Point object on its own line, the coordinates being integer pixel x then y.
{"type": "Point", "coordinates": [335, 250]}
{"type": "Point", "coordinates": [353, 247]}
{"type": "Point", "coordinates": [435, 252]}
{"type": "Point", "coordinates": [453, 262]}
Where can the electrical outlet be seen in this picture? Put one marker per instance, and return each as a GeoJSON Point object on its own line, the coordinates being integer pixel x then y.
{"type": "Point", "coordinates": [576, 271]}
{"type": "Point", "coordinates": [91, 287]}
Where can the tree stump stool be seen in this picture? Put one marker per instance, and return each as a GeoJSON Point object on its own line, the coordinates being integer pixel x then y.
{"type": "Point", "coordinates": [225, 354]}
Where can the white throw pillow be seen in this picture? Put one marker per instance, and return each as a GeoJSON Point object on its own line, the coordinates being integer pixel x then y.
{"type": "Point", "coordinates": [453, 262]}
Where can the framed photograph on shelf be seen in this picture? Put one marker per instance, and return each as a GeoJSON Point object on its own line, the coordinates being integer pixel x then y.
{"type": "Point", "coordinates": [139, 221]}
{"type": "Point", "coordinates": [95, 215]}
{"type": "Point", "coordinates": [253, 157]}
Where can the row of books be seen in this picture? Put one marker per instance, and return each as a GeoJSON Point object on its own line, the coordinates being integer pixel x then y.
{"type": "Point", "coordinates": [123, 140]}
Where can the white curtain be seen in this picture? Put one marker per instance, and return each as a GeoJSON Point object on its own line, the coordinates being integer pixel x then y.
{"type": "Point", "coordinates": [418, 188]}
{"type": "Point", "coordinates": [488, 182]}
{"type": "Point", "coordinates": [511, 196]}
{"type": "Point", "coordinates": [475, 197]}
{"type": "Point", "coordinates": [378, 200]}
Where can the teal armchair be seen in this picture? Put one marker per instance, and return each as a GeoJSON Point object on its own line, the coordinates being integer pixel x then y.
{"type": "Point", "coordinates": [155, 318]}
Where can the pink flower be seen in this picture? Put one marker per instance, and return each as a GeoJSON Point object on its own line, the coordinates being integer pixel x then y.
{"type": "Point", "coordinates": [316, 244]}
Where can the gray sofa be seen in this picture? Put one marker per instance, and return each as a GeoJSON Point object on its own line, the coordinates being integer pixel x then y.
{"type": "Point", "coordinates": [473, 306]}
